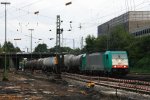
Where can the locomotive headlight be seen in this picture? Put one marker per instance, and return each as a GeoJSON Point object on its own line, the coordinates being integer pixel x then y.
{"type": "Point", "coordinates": [115, 66]}
{"type": "Point", "coordinates": [124, 66]}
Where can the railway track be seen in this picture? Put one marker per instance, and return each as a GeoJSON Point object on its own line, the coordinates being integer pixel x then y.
{"type": "Point", "coordinates": [125, 84]}
{"type": "Point", "coordinates": [138, 77]}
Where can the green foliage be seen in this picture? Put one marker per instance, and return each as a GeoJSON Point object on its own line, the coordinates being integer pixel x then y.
{"type": "Point", "coordinates": [65, 50]}
{"type": "Point", "coordinates": [10, 47]}
{"type": "Point", "coordinates": [142, 70]}
{"type": "Point", "coordinates": [41, 48]}
{"type": "Point", "coordinates": [119, 39]}
{"type": "Point", "coordinates": [76, 51]}
{"type": "Point", "coordinates": [61, 49]}
{"type": "Point", "coordinates": [90, 43]}
{"type": "Point", "coordinates": [17, 49]}
{"type": "Point", "coordinates": [138, 50]}
{"type": "Point", "coordinates": [1, 50]}
{"type": "Point", "coordinates": [143, 63]}
{"type": "Point", "coordinates": [83, 50]}
{"type": "Point", "coordinates": [3, 63]}
{"type": "Point", "coordinates": [144, 44]}
{"type": "Point", "coordinates": [101, 43]}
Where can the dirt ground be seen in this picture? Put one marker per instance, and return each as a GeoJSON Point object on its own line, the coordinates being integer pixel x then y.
{"type": "Point", "coordinates": [22, 87]}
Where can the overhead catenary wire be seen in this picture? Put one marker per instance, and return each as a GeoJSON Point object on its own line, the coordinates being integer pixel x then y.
{"type": "Point", "coordinates": [104, 16]}
{"type": "Point", "coordinates": [32, 13]}
{"type": "Point", "coordinates": [26, 14]}
{"type": "Point", "coordinates": [30, 4]}
{"type": "Point", "coordinates": [86, 25]}
{"type": "Point", "coordinates": [48, 16]}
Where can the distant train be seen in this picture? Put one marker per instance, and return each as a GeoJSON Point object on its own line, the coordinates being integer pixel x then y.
{"type": "Point", "coordinates": [109, 62]}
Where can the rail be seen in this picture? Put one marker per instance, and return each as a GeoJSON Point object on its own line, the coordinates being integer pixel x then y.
{"type": "Point", "coordinates": [130, 85]}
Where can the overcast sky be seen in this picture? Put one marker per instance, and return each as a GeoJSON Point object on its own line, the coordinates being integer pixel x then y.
{"type": "Point", "coordinates": [87, 13]}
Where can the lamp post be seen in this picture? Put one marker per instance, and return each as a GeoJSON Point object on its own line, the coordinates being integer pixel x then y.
{"type": "Point", "coordinates": [31, 38]}
{"type": "Point", "coordinates": [16, 39]}
{"type": "Point", "coordinates": [5, 78]}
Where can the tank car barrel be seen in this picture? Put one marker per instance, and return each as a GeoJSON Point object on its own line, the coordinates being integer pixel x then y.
{"type": "Point", "coordinates": [72, 62]}
{"type": "Point", "coordinates": [42, 64]}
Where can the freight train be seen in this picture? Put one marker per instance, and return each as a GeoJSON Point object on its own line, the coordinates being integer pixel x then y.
{"type": "Point", "coordinates": [109, 62]}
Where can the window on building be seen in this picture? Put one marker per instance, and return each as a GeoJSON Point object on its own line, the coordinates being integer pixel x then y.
{"type": "Point", "coordinates": [149, 30]}
{"type": "Point", "coordinates": [146, 31]}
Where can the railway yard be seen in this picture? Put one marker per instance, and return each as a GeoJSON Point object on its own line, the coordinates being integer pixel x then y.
{"type": "Point", "coordinates": [75, 50]}
{"type": "Point", "coordinates": [37, 86]}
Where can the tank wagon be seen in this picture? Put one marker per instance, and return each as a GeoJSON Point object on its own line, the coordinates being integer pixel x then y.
{"type": "Point", "coordinates": [110, 62]}
{"type": "Point", "coordinates": [72, 62]}
{"type": "Point", "coordinates": [49, 64]}
{"type": "Point", "coordinates": [45, 64]}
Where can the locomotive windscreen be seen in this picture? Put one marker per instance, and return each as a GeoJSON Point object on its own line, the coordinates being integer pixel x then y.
{"type": "Point", "coordinates": [119, 59]}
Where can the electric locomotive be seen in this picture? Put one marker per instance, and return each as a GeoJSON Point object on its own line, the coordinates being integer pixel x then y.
{"type": "Point", "coordinates": [109, 62]}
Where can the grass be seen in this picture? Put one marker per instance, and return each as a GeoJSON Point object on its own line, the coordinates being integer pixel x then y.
{"type": "Point", "coordinates": [142, 70]}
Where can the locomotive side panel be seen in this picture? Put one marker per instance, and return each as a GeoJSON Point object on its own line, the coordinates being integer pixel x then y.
{"type": "Point", "coordinates": [94, 62]}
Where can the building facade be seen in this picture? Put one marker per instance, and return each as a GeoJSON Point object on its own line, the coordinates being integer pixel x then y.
{"type": "Point", "coordinates": [134, 22]}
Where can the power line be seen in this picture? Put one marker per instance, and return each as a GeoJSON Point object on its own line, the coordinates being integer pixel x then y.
{"type": "Point", "coordinates": [54, 18]}
{"type": "Point", "coordinates": [30, 4]}
{"type": "Point", "coordinates": [32, 13]}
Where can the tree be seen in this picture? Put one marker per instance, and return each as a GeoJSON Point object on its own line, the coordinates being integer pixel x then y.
{"type": "Point", "coordinates": [76, 51]}
{"type": "Point", "coordinates": [1, 50]}
{"type": "Point", "coordinates": [9, 47]}
{"type": "Point", "coordinates": [90, 44]}
{"type": "Point", "coordinates": [139, 51]}
{"type": "Point", "coordinates": [101, 43]}
{"type": "Point", "coordinates": [119, 39]}
{"type": "Point", "coordinates": [41, 48]}
{"type": "Point", "coordinates": [17, 49]}
{"type": "Point", "coordinates": [61, 49]}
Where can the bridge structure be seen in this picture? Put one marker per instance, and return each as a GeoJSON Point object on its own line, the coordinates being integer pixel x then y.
{"type": "Point", "coordinates": [13, 59]}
